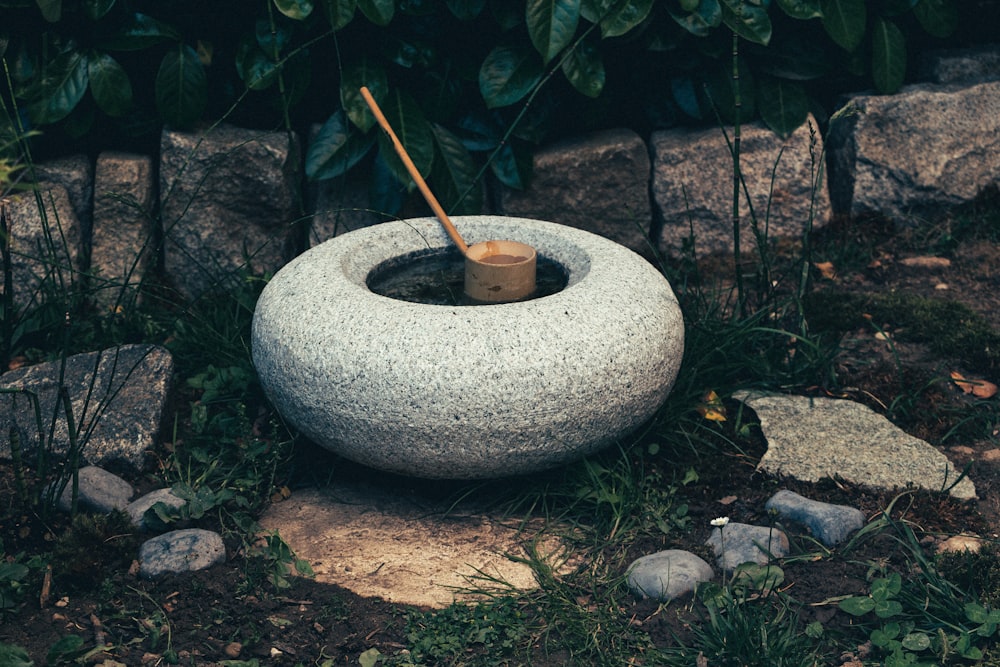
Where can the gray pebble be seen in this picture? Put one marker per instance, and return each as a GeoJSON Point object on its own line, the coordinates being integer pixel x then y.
{"type": "Point", "coordinates": [738, 543]}
{"type": "Point", "coordinates": [137, 508]}
{"type": "Point", "coordinates": [830, 524]}
{"type": "Point", "coordinates": [99, 491]}
{"type": "Point", "coordinates": [180, 551]}
{"type": "Point", "coordinates": [668, 574]}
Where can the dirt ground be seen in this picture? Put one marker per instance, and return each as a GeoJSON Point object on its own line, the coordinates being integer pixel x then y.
{"type": "Point", "coordinates": [222, 614]}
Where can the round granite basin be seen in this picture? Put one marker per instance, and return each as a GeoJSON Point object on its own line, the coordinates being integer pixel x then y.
{"type": "Point", "coordinates": [467, 392]}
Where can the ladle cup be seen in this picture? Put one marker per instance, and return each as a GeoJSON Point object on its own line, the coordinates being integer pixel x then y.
{"type": "Point", "coordinates": [495, 271]}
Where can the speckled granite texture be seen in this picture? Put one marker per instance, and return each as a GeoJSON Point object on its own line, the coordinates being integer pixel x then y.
{"type": "Point", "coordinates": [467, 392]}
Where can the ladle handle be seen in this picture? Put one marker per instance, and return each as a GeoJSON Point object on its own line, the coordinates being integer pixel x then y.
{"type": "Point", "coordinates": [412, 168]}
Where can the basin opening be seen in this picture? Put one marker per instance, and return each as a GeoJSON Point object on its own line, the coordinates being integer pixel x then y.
{"type": "Point", "coordinates": [437, 277]}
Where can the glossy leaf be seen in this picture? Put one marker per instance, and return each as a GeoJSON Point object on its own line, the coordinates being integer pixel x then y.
{"type": "Point", "coordinates": [257, 70]}
{"type": "Point", "coordinates": [512, 165]}
{"type": "Point", "coordinates": [109, 84]}
{"type": "Point", "coordinates": [748, 21]}
{"type": "Point", "coordinates": [141, 32]}
{"type": "Point", "coordinates": [937, 17]}
{"type": "Point", "coordinates": [801, 9]}
{"type": "Point", "coordinates": [339, 12]}
{"type": "Point", "coordinates": [888, 56]}
{"type": "Point", "coordinates": [354, 77]}
{"type": "Point", "coordinates": [51, 9]}
{"type": "Point", "coordinates": [845, 22]}
{"type": "Point", "coordinates": [96, 9]}
{"type": "Point", "coordinates": [386, 194]}
{"type": "Point", "coordinates": [336, 148]}
{"type": "Point", "coordinates": [181, 87]}
{"type": "Point", "coordinates": [507, 75]}
{"type": "Point", "coordinates": [466, 10]}
{"type": "Point", "coordinates": [551, 25]}
{"type": "Point", "coordinates": [685, 96]}
{"type": "Point", "coordinates": [272, 39]}
{"type": "Point", "coordinates": [616, 17]}
{"type": "Point", "coordinates": [700, 22]}
{"type": "Point", "coordinates": [857, 606]}
{"type": "Point", "coordinates": [295, 9]}
{"type": "Point", "coordinates": [379, 12]}
{"type": "Point", "coordinates": [414, 132]}
{"type": "Point", "coordinates": [585, 69]}
{"type": "Point", "coordinates": [454, 175]}
{"type": "Point", "coordinates": [60, 90]}
{"type": "Point", "coordinates": [783, 105]}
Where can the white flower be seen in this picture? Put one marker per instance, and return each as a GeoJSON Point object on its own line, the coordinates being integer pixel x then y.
{"type": "Point", "coordinates": [720, 522]}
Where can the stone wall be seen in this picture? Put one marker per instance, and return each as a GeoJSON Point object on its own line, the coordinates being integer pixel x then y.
{"type": "Point", "coordinates": [212, 203]}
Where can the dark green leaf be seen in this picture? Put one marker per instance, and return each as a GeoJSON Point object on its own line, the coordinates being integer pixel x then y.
{"type": "Point", "coordinates": [273, 38]}
{"type": "Point", "coordinates": [109, 85]}
{"type": "Point", "coordinates": [257, 70]}
{"type": "Point", "coordinates": [551, 25]}
{"type": "Point", "coordinates": [844, 21]}
{"type": "Point", "coordinates": [379, 12]}
{"type": "Point", "coordinates": [720, 90]}
{"type": "Point", "coordinates": [801, 9]}
{"type": "Point", "coordinates": [294, 9]}
{"type": "Point", "coordinates": [783, 105]}
{"type": "Point", "coordinates": [507, 75]}
{"type": "Point", "coordinates": [585, 69]}
{"type": "Point", "coordinates": [685, 96]}
{"type": "Point", "coordinates": [454, 174]}
{"type": "Point", "coordinates": [414, 132]}
{"type": "Point", "coordinates": [796, 57]}
{"type": "Point", "coordinates": [512, 165]}
{"type": "Point", "coordinates": [60, 89]}
{"type": "Point", "coordinates": [386, 194]}
{"type": "Point", "coordinates": [14, 656]}
{"type": "Point", "coordinates": [888, 56]}
{"type": "Point", "coordinates": [140, 32]}
{"type": "Point", "coordinates": [699, 23]}
{"type": "Point", "coordinates": [466, 10]}
{"type": "Point", "coordinates": [96, 9]}
{"type": "Point", "coordinates": [51, 9]}
{"type": "Point", "coordinates": [181, 87]}
{"type": "Point", "coordinates": [356, 76]}
{"type": "Point", "coordinates": [336, 148]}
{"type": "Point", "coordinates": [748, 21]}
{"type": "Point", "coordinates": [616, 17]}
{"type": "Point", "coordinates": [339, 12]}
{"type": "Point", "coordinates": [937, 17]}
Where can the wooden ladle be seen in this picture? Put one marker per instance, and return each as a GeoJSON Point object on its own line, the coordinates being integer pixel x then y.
{"type": "Point", "coordinates": [495, 271]}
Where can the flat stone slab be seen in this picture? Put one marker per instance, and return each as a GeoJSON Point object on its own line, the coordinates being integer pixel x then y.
{"type": "Point", "coordinates": [811, 438]}
{"type": "Point", "coordinates": [378, 543]}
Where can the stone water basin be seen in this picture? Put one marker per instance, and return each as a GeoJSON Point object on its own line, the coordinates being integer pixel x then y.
{"type": "Point", "coordinates": [467, 391]}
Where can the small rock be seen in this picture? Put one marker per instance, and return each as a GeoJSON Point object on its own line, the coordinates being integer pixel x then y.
{"type": "Point", "coordinates": [962, 450]}
{"type": "Point", "coordinates": [959, 543]}
{"type": "Point", "coordinates": [185, 550]}
{"type": "Point", "coordinates": [830, 524]}
{"type": "Point", "coordinates": [668, 574]}
{"type": "Point", "coordinates": [233, 649]}
{"type": "Point", "coordinates": [137, 508]}
{"type": "Point", "coordinates": [98, 491]}
{"type": "Point", "coordinates": [744, 543]}
{"type": "Point", "coordinates": [990, 456]}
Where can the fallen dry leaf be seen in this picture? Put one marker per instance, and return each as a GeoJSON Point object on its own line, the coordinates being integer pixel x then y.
{"type": "Point", "coordinates": [728, 500]}
{"type": "Point", "coordinates": [926, 262]}
{"type": "Point", "coordinates": [712, 408]}
{"type": "Point", "coordinates": [826, 269]}
{"type": "Point", "coordinates": [978, 388]}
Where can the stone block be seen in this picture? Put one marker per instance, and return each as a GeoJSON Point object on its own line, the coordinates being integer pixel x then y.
{"type": "Point", "coordinates": [599, 183]}
{"type": "Point", "coordinates": [693, 186]}
{"type": "Point", "coordinates": [972, 65]}
{"type": "Point", "coordinates": [123, 245]}
{"type": "Point", "coordinates": [117, 396]}
{"type": "Point", "coordinates": [915, 153]}
{"type": "Point", "coordinates": [45, 243]}
{"type": "Point", "coordinates": [340, 205]}
{"type": "Point", "coordinates": [76, 174]}
{"type": "Point", "coordinates": [229, 200]}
